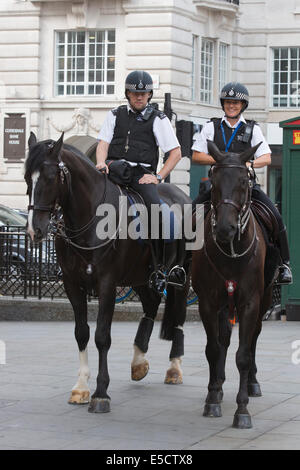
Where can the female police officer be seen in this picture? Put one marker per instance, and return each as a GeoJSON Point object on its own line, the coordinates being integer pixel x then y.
{"type": "Point", "coordinates": [232, 132]}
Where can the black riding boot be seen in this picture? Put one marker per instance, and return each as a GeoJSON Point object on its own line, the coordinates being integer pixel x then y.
{"type": "Point", "coordinates": [285, 274]}
{"type": "Point", "coordinates": [157, 279]}
{"type": "Point", "coordinates": [163, 273]}
{"type": "Point", "coordinates": [176, 274]}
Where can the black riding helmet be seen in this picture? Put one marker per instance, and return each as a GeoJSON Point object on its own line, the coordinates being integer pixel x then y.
{"type": "Point", "coordinates": [235, 91]}
{"type": "Point", "coordinates": [139, 82]}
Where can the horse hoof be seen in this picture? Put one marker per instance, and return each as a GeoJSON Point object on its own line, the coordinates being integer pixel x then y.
{"type": "Point", "coordinates": [254, 390]}
{"type": "Point", "coordinates": [242, 421]}
{"type": "Point", "coordinates": [79, 397]}
{"type": "Point", "coordinates": [99, 405]}
{"type": "Point", "coordinates": [139, 371]}
{"type": "Point", "coordinates": [173, 377]}
{"type": "Point", "coordinates": [212, 410]}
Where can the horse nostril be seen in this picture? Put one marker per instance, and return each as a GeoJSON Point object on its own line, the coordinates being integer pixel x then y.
{"type": "Point", "coordinates": [226, 233]}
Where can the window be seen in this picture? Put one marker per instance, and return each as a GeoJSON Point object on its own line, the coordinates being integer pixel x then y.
{"type": "Point", "coordinates": [223, 65]}
{"type": "Point", "coordinates": [209, 69]}
{"type": "Point", "coordinates": [285, 77]}
{"type": "Point", "coordinates": [85, 63]}
{"type": "Point", "coordinates": [206, 71]}
{"type": "Point", "coordinates": [193, 78]}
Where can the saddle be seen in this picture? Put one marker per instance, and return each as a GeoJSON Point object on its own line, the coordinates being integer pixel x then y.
{"type": "Point", "coordinates": [270, 230]}
{"type": "Point", "coordinates": [266, 220]}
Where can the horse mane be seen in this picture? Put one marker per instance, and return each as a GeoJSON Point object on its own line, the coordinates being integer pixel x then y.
{"type": "Point", "coordinates": [38, 153]}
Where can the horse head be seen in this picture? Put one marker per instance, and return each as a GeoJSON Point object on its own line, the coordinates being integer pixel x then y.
{"type": "Point", "coordinates": [231, 191]}
{"type": "Point", "coordinates": [42, 174]}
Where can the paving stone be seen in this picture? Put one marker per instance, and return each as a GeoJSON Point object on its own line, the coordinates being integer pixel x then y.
{"type": "Point", "coordinates": [42, 366]}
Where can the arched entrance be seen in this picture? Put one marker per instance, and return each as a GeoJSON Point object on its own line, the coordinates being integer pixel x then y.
{"type": "Point", "coordinates": [86, 144]}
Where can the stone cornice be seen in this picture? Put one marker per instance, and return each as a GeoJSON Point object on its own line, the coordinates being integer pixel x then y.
{"type": "Point", "coordinates": [129, 8]}
{"type": "Point", "coordinates": [218, 6]}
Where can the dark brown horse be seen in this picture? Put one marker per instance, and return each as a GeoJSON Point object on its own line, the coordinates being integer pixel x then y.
{"type": "Point", "coordinates": [228, 274]}
{"type": "Point", "coordinates": [57, 174]}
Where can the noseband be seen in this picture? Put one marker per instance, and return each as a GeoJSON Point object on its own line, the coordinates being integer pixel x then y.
{"type": "Point", "coordinates": [243, 210]}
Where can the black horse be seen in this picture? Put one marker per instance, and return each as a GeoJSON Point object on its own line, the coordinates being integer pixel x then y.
{"type": "Point", "coordinates": [58, 174]}
{"type": "Point", "coordinates": [228, 275]}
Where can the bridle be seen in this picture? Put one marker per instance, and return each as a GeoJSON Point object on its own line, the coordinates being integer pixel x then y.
{"type": "Point", "coordinates": [243, 210]}
{"type": "Point", "coordinates": [64, 174]}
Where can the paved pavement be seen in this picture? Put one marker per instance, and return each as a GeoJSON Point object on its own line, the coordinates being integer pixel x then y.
{"type": "Point", "coordinates": [41, 368]}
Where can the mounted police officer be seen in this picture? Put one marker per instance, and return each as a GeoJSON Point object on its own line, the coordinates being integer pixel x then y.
{"type": "Point", "coordinates": [134, 133]}
{"type": "Point", "coordinates": [233, 133]}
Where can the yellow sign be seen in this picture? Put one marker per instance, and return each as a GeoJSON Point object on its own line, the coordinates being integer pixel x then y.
{"type": "Point", "coordinates": [296, 137]}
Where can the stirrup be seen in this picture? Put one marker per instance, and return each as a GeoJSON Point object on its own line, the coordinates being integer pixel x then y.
{"type": "Point", "coordinates": [179, 272]}
{"type": "Point", "coordinates": [157, 281]}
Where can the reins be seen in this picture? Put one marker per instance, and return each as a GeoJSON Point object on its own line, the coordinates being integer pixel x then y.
{"type": "Point", "coordinates": [60, 229]}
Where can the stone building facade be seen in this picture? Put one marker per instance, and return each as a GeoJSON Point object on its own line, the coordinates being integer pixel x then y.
{"type": "Point", "coordinates": [64, 62]}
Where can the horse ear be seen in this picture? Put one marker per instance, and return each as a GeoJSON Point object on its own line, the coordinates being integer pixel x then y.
{"type": "Point", "coordinates": [57, 146]}
{"type": "Point", "coordinates": [214, 151]}
{"type": "Point", "coordinates": [246, 156]}
{"type": "Point", "coordinates": [32, 139]}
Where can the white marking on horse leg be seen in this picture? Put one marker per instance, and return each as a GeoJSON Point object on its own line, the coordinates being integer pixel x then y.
{"type": "Point", "coordinates": [174, 373]}
{"type": "Point", "coordinates": [80, 392]}
{"type": "Point", "coordinates": [176, 364]}
{"type": "Point", "coordinates": [138, 356]}
{"type": "Point", "coordinates": [84, 372]}
{"type": "Point", "coordinates": [30, 230]}
{"type": "Point", "coordinates": [139, 365]}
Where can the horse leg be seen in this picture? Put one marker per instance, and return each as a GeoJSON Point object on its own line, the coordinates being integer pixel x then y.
{"type": "Point", "coordinates": [172, 328]}
{"type": "Point", "coordinates": [80, 392]}
{"type": "Point", "coordinates": [100, 402]}
{"type": "Point", "coordinates": [247, 323]}
{"type": "Point", "coordinates": [253, 385]}
{"type": "Point", "coordinates": [214, 397]}
{"type": "Point", "coordinates": [225, 329]}
{"type": "Point", "coordinates": [150, 301]}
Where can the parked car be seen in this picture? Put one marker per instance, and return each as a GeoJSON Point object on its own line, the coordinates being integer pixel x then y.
{"type": "Point", "coordinates": [17, 253]}
{"type": "Point", "coordinates": [10, 216]}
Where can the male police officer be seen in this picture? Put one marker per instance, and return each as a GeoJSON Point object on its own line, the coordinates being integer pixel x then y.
{"type": "Point", "coordinates": [134, 132]}
{"type": "Point", "coordinates": [233, 133]}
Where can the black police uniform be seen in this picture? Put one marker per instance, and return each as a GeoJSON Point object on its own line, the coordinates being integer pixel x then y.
{"type": "Point", "coordinates": [240, 143]}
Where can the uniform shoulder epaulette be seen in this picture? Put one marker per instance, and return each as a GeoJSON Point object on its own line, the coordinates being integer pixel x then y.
{"type": "Point", "coordinates": [161, 114]}
{"type": "Point", "coordinates": [115, 110]}
{"type": "Point", "coordinates": [151, 110]}
{"type": "Point", "coordinates": [252, 122]}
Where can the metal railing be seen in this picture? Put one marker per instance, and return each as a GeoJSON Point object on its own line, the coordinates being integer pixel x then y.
{"type": "Point", "coordinates": [28, 270]}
